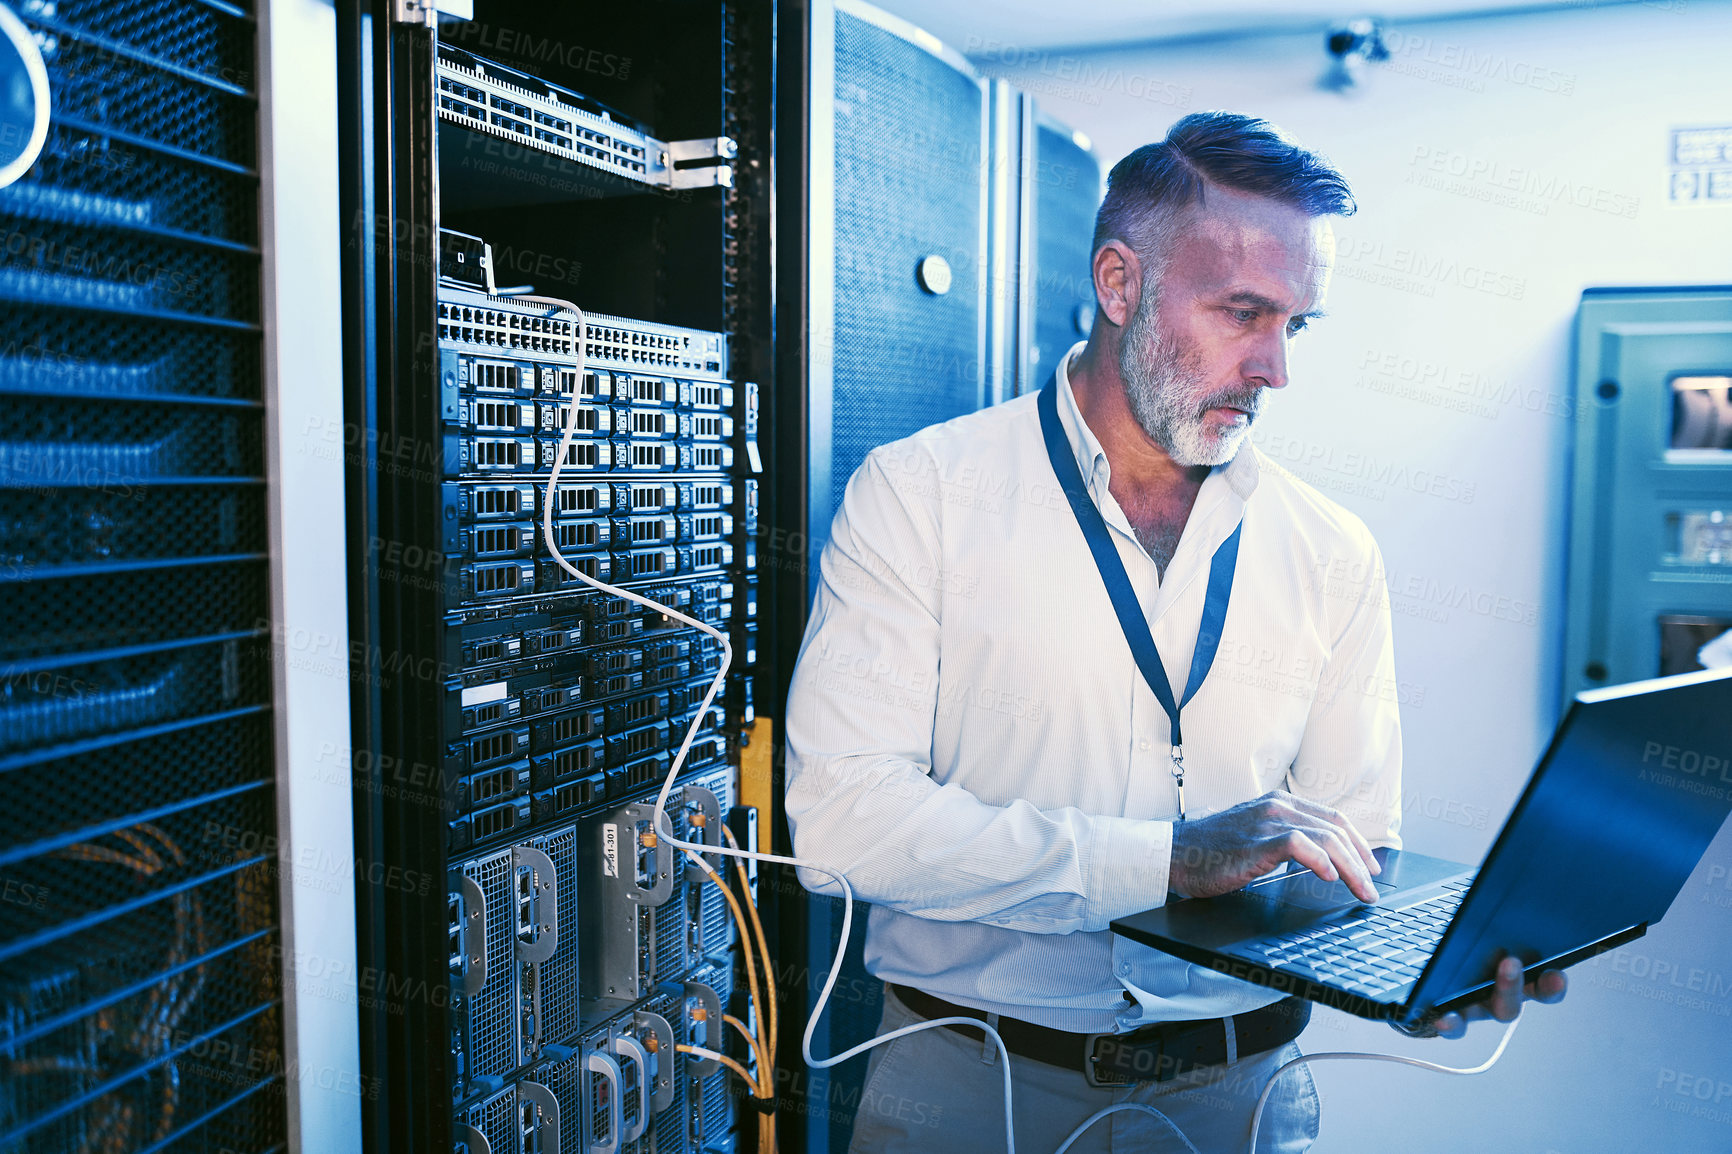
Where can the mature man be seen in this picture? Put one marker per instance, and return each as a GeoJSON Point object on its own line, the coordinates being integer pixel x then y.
{"type": "Point", "coordinates": [972, 742]}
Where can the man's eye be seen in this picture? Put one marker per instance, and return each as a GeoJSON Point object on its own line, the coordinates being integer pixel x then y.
{"type": "Point", "coordinates": [1245, 316]}
{"type": "Point", "coordinates": [1296, 326]}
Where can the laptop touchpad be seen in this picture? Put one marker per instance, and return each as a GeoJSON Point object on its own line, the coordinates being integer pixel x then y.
{"type": "Point", "coordinates": [1309, 891]}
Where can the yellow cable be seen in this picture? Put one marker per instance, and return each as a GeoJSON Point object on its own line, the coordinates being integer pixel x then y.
{"type": "Point", "coordinates": [768, 1011]}
{"type": "Point", "coordinates": [757, 1045]}
{"type": "Point", "coordinates": [751, 970]}
{"type": "Point", "coordinates": [82, 851]}
{"type": "Point", "coordinates": [143, 847]}
{"type": "Point", "coordinates": [726, 1061]}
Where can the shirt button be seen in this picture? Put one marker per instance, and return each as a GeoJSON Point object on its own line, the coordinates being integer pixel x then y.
{"type": "Point", "coordinates": [1124, 969]}
{"type": "Point", "coordinates": [1143, 745]}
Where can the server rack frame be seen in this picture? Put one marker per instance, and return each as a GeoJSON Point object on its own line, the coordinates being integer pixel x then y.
{"type": "Point", "coordinates": [390, 210]}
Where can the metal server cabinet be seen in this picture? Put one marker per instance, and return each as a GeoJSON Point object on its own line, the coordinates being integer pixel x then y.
{"type": "Point", "coordinates": [1650, 556]}
{"type": "Point", "coordinates": [141, 1000]}
{"type": "Point", "coordinates": [897, 287]}
{"type": "Point", "coordinates": [512, 725]}
{"type": "Point", "coordinates": [1067, 192]}
{"type": "Point", "coordinates": [907, 202]}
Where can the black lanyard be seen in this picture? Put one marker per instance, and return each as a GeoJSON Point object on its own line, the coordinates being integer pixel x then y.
{"type": "Point", "coordinates": [1124, 598]}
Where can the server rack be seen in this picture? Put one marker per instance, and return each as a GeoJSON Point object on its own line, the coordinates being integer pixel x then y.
{"type": "Point", "coordinates": [140, 998]}
{"type": "Point", "coordinates": [512, 726]}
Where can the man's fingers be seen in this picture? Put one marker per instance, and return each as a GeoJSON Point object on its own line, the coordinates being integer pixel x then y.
{"type": "Point", "coordinates": [1307, 853]}
{"type": "Point", "coordinates": [1506, 998]}
{"type": "Point", "coordinates": [1504, 1003]}
{"type": "Point", "coordinates": [1553, 986]}
{"type": "Point", "coordinates": [1339, 820]}
{"type": "Point", "coordinates": [1549, 987]}
{"type": "Point", "coordinates": [1348, 864]}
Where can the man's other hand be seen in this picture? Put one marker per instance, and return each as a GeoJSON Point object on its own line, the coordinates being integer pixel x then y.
{"type": "Point", "coordinates": [1220, 853]}
{"type": "Point", "coordinates": [1503, 1003]}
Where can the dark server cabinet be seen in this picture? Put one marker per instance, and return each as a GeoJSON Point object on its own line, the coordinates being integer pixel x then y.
{"type": "Point", "coordinates": [140, 1004]}
{"type": "Point", "coordinates": [514, 725]}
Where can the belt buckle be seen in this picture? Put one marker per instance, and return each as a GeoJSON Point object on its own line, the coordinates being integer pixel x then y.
{"type": "Point", "coordinates": [1113, 1080]}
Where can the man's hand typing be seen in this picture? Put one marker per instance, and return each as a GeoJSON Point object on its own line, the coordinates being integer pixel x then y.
{"type": "Point", "coordinates": [1220, 853]}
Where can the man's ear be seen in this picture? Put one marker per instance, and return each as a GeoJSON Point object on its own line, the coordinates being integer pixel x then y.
{"type": "Point", "coordinates": [1118, 277]}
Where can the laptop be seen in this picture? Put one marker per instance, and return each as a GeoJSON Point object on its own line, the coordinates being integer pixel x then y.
{"type": "Point", "coordinates": [1634, 785]}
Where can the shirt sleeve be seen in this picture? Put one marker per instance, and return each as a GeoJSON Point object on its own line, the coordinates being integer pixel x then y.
{"type": "Point", "coordinates": [861, 799]}
{"type": "Point", "coordinates": [1350, 757]}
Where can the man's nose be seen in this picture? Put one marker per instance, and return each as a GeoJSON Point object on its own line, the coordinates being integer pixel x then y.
{"type": "Point", "coordinates": [1267, 364]}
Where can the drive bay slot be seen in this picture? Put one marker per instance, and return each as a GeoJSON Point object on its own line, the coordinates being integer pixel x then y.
{"type": "Point", "coordinates": [588, 455]}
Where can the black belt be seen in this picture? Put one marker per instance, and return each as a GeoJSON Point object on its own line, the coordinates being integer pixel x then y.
{"type": "Point", "coordinates": [1154, 1053]}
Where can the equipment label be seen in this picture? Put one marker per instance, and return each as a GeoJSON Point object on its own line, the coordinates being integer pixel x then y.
{"type": "Point", "coordinates": [1699, 166]}
{"type": "Point", "coordinates": [610, 850]}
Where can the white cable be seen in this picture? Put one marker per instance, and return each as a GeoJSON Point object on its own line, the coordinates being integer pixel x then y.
{"type": "Point", "coordinates": [693, 850]}
{"type": "Point", "coordinates": [1269, 1086]}
{"type": "Point", "coordinates": [1114, 1109]}
{"type": "Point", "coordinates": [1303, 1059]}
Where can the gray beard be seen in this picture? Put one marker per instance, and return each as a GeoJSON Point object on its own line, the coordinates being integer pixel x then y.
{"type": "Point", "coordinates": [1167, 393]}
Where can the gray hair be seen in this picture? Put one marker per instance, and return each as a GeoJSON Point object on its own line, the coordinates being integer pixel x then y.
{"type": "Point", "coordinates": [1147, 189]}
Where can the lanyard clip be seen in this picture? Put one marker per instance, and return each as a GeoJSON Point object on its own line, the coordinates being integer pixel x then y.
{"type": "Point", "coordinates": [1179, 777]}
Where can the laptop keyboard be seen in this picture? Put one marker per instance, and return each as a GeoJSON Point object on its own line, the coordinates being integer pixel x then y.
{"type": "Point", "coordinates": [1379, 953]}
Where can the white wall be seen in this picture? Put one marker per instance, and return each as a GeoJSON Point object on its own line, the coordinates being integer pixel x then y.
{"type": "Point", "coordinates": [1444, 284]}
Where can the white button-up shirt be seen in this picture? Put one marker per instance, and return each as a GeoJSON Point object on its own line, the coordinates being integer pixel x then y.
{"type": "Point", "coordinates": [972, 744]}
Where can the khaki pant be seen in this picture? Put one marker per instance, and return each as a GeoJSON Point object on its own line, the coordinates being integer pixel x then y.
{"type": "Point", "coordinates": [933, 1092]}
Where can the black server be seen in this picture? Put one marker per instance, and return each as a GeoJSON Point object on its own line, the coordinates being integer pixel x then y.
{"type": "Point", "coordinates": [564, 216]}
{"type": "Point", "coordinates": [140, 1003]}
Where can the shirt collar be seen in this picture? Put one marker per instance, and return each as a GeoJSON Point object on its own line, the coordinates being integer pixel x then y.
{"type": "Point", "coordinates": [1240, 473]}
{"type": "Point", "coordinates": [1090, 457]}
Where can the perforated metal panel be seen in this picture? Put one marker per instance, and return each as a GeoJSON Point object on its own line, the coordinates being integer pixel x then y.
{"type": "Point", "coordinates": [910, 184]}
{"type": "Point", "coordinates": [140, 985]}
{"type": "Point", "coordinates": [1067, 192]}
{"type": "Point", "coordinates": [566, 1079]}
{"type": "Point", "coordinates": [496, 1119]}
{"type": "Point", "coordinates": [559, 973]}
{"type": "Point", "coordinates": [494, 1017]}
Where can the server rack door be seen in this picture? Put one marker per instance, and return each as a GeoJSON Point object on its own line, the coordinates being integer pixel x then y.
{"type": "Point", "coordinates": [140, 941]}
